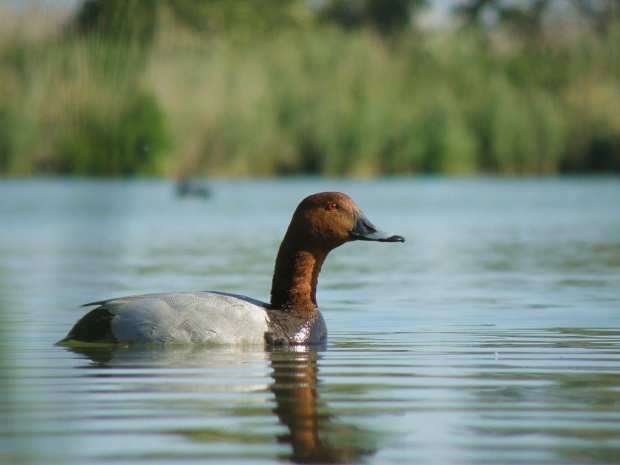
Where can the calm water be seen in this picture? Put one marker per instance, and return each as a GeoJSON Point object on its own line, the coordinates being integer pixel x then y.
{"type": "Point", "coordinates": [491, 336]}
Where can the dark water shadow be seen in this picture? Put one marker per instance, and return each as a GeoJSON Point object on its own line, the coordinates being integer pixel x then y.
{"type": "Point", "coordinates": [315, 434]}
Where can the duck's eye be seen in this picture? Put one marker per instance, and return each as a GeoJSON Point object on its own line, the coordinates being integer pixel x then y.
{"type": "Point", "coordinates": [331, 206]}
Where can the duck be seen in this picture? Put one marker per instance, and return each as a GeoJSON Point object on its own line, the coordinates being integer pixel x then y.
{"type": "Point", "coordinates": [320, 223]}
{"type": "Point", "coordinates": [193, 187]}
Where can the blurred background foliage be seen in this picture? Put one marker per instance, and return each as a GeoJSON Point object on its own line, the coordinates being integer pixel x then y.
{"type": "Point", "coordinates": [337, 87]}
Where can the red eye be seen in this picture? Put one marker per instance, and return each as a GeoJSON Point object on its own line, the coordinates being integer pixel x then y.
{"type": "Point", "coordinates": [331, 206]}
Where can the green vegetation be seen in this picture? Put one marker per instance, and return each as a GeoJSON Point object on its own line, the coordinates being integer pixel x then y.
{"type": "Point", "coordinates": [294, 93]}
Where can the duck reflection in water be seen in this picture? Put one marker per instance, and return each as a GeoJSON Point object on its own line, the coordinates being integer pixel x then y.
{"type": "Point", "coordinates": [314, 435]}
{"type": "Point", "coordinates": [314, 432]}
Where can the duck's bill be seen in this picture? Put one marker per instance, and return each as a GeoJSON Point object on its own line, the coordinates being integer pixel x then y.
{"type": "Point", "coordinates": [364, 230]}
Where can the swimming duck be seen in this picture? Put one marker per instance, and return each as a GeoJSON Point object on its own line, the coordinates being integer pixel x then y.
{"type": "Point", "coordinates": [320, 223]}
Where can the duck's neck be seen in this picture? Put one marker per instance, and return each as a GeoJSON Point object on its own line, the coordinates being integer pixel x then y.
{"type": "Point", "coordinates": [295, 278]}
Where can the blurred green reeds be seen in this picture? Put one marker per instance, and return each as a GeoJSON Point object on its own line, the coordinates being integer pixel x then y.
{"type": "Point", "coordinates": [314, 99]}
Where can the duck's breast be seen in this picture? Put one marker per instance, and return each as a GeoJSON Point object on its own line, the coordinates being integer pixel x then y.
{"type": "Point", "coordinates": [188, 317]}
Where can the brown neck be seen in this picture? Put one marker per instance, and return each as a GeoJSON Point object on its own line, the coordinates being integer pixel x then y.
{"type": "Point", "coordinates": [295, 278]}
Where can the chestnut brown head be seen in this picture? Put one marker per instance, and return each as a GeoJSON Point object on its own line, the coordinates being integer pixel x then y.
{"type": "Point", "coordinates": [330, 219]}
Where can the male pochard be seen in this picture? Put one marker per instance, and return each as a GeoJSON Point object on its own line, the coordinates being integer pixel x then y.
{"type": "Point", "coordinates": [320, 223]}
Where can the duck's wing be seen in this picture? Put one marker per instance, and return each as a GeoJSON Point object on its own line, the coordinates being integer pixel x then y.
{"type": "Point", "coordinates": [182, 317]}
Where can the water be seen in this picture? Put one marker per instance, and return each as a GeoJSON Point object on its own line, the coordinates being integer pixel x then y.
{"type": "Point", "coordinates": [491, 336]}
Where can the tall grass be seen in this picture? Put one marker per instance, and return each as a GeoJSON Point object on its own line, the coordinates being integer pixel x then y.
{"type": "Point", "coordinates": [346, 103]}
{"type": "Point", "coordinates": [76, 106]}
{"type": "Point", "coordinates": [310, 100]}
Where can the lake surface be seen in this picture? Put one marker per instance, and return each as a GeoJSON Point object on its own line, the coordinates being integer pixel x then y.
{"type": "Point", "coordinates": [491, 336]}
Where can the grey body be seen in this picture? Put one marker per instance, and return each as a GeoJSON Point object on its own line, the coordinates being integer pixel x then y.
{"type": "Point", "coordinates": [194, 317]}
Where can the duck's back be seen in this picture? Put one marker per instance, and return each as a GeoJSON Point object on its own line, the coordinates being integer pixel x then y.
{"type": "Point", "coordinates": [183, 317]}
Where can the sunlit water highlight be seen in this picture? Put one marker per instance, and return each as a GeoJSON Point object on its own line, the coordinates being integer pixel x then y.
{"type": "Point", "coordinates": [491, 336]}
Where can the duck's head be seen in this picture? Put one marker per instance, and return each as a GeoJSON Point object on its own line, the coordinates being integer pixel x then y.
{"type": "Point", "coordinates": [331, 219]}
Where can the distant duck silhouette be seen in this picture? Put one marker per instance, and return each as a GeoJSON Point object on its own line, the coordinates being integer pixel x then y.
{"type": "Point", "coordinates": [193, 187]}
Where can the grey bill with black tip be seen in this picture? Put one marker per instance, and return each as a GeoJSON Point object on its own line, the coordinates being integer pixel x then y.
{"type": "Point", "coordinates": [364, 230]}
